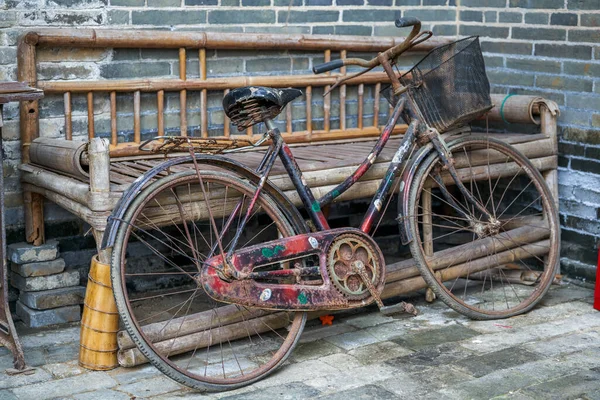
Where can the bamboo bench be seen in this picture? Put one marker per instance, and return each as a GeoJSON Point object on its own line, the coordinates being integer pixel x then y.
{"type": "Point", "coordinates": [87, 177]}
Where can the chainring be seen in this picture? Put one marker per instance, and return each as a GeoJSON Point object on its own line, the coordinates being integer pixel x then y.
{"type": "Point", "coordinates": [349, 248]}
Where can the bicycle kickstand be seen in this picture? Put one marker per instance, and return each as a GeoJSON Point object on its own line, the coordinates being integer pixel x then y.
{"type": "Point", "coordinates": [401, 307]}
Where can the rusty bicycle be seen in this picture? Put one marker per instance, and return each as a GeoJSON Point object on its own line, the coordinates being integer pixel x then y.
{"type": "Point", "coordinates": [233, 267]}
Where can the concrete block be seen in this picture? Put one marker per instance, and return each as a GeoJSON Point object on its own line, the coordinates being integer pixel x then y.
{"type": "Point", "coordinates": [53, 298]}
{"type": "Point", "coordinates": [37, 283]}
{"type": "Point", "coordinates": [41, 268]}
{"type": "Point", "coordinates": [21, 253]}
{"type": "Point", "coordinates": [37, 319]}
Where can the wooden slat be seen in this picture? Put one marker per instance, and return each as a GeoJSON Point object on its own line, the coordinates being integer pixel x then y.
{"type": "Point", "coordinates": [113, 119]}
{"type": "Point", "coordinates": [308, 96]}
{"type": "Point", "coordinates": [343, 96]}
{"type": "Point", "coordinates": [137, 132]}
{"type": "Point", "coordinates": [376, 105]}
{"type": "Point", "coordinates": [68, 116]}
{"type": "Point", "coordinates": [288, 119]}
{"type": "Point", "coordinates": [90, 109]}
{"type": "Point", "coordinates": [360, 111]}
{"type": "Point", "coordinates": [226, 122]}
{"type": "Point", "coordinates": [160, 115]}
{"type": "Point", "coordinates": [203, 95]}
{"type": "Point", "coordinates": [327, 99]}
{"type": "Point", "coordinates": [182, 93]}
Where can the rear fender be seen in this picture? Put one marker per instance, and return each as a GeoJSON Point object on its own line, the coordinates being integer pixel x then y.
{"type": "Point", "coordinates": [116, 217]}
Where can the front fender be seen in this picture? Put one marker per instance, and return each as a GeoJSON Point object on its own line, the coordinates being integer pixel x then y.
{"type": "Point", "coordinates": [116, 217]}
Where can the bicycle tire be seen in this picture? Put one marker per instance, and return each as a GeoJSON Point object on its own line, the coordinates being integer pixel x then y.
{"type": "Point", "coordinates": [457, 278]}
{"type": "Point", "coordinates": [168, 363]}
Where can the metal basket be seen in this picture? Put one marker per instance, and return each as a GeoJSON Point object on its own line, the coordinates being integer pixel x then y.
{"type": "Point", "coordinates": [449, 86]}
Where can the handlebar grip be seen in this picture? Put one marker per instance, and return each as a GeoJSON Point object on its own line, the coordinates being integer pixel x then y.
{"type": "Point", "coordinates": [328, 66]}
{"type": "Point", "coordinates": [407, 21]}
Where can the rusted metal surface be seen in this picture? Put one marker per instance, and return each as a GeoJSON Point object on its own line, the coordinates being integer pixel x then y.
{"type": "Point", "coordinates": [294, 296]}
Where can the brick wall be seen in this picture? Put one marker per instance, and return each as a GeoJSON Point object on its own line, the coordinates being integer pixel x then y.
{"type": "Point", "coordinates": [545, 47]}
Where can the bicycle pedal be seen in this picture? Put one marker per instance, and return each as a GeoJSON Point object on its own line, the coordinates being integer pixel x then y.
{"type": "Point", "coordinates": [401, 307]}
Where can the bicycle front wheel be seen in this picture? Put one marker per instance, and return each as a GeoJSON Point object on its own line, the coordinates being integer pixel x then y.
{"type": "Point", "coordinates": [161, 244]}
{"type": "Point", "coordinates": [484, 268]}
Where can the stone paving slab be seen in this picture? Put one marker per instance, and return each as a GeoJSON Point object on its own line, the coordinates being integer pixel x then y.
{"type": "Point", "coordinates": [552, 352]}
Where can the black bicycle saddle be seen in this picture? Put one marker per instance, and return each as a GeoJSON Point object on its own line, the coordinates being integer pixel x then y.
{"type": "Point", "coordinates": [247, 106]}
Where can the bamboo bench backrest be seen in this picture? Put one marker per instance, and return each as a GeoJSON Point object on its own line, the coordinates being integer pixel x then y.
{"type": "Point", "coordinates": [129, 110]}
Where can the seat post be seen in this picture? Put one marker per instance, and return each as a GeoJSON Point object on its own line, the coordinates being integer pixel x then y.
{"type": "Point", "coordinates": [270, 125]}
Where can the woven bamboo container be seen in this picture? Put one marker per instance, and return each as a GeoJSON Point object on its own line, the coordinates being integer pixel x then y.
{"type": "Point", "coordinates": [100, 321]}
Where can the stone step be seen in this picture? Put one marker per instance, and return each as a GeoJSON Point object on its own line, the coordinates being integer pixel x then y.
{"type": "Point", "coordinates": [41, 268]}
{"type": "Point", "coordinates": [37, 283]}
{"type": "Point", "coordinates": [37, 319]}
{"type": "Point", "coordinates": [21, 253]}
{"type": "Point", "coordinates": [53, 298]}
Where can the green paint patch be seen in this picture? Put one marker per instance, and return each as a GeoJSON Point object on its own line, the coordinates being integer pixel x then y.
{"type": "Point", "coordinates": [302, 298]}
{"type": "Point", "coordinates": [316, 207]}
{"type": "Point", "coordinates": [267, 252]}
{"type": "Point", "coordinates": [335, 193]}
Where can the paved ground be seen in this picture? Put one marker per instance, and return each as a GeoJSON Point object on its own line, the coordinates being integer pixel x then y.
{"type": "Point", "coordinates": [553, 352]}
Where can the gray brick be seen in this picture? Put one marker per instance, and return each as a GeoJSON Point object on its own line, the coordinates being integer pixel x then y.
{"type": "Point", "coordinates": [359, 30]}
{"type": "Point", "coordinates": [430, 15]}
{"type": "Point", "coordinates": [590, 20]}
{"type": "Point", "coordinates": [584, 4]}
{"type": "Point", "coordinates": [491, 16]}
{"type": "Point", "coordinates": [308, 16]}
{"type": "Point", "coordinates": [537, 33]}
{"type": "Point", "coordinates": [268, 64]}
{"type": "Point", "coordinates": [563, 83]}
{"type": "Point", "coordinates": [563, 51]}
{"type": "Point", "coordinates": [583, 69]}
{"type": "Point", "coordinates": [551, 4]}
{"type": "Point", "coordinates": [536, 18]}
{"type": "Point", "coordinates": [317, 2]}
{"type": "Point", "coordinates": [168, 17]}
{"type": "Point", "coordinates": [586, 136]}
{"type": "Point", "coordinates": [486, 31]}
{"type": "Point", "coordinates": [135, 70]}
{"type": "Point", "coordinates": [400, 3]}
{"type": "Point", "coordinates": [514, 17]}
{"type": "Point", "coordinates": [575, 117]}
{"type": "Point", "coordinates": [481, 365]}
{"type": "Point", "coordinates": [127, 3]}
{"type": "Point", "coordinates": [472, 16]}
{"type": "Point", "coordinates": [581, 35]}
{"type": "Point", "coordinates": [583, 102]}
{"type": "Point", "coordinates": [117, 17]}
{"type": "Point", "coordinates": [510, 78]}
{"type": "Point", "coordinates": [494, 62]}
{"type": "Point", "coordinates": [38, 319]}
{"type": "Point", "coordinates": [445, 30]}
{"type": "Point", "coordinates": [37, 283]}
{"type": "Point", "coordinates": [483, 3]}
{"type": "Point", "coordinates": [567, 19]}
{"type": "Point", "coordinates": [507, 48]}
{"type": "Point", "coordinates": [164, 3]}
{"type": "Point", "coordinates": [435, 2]}
{"type": "Point", "coordinates": [533, 65]}
{"type": "Point", "coordinates": [53, 298]}
{"type": "Point", "coordinates": [39, 268]}
{"type": "Point", "coordinates": [21, 253]}
{"type": "Point", "coordinates": [350, 2]}
{"type": "Point", "coordinates": [294, 390]}
{"type": "Point", "coordinates": [367, 15]}
{"type": "Point", "coordinates": [380, 2]}
{"type": "Point", "coordinates": [231, 3]}
{"type": "Point", "coordinates": [255, 3]}
{"type": "Point", "coordinates": [8, 55]}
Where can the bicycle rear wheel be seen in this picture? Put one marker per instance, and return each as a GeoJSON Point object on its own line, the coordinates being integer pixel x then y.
{"type": "Point", "coordinates": [165, 236]}
{"type": "Point", "coordinates": [485, 269]}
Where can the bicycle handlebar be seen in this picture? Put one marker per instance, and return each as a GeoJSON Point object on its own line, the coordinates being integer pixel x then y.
{"type": "Point", "coordinates": [386, 58]}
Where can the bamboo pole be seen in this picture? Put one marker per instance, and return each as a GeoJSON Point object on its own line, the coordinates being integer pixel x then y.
{"type": "Point", "coordinates": [327, 98]}
{"type": "Point", "coordinates": [376, 105]}
{"type": "Point", "coordinates": [68, 116]}
{"type": "Point", "coordinates": [174, 85]}
{"type": "Point", "coordinates": [182, 93]}
{"type": "Point", "coordinates": [90, 111]}
{"type": "Point", "coordinates": [137, 130]}
{"type": "Point", "coordinates": [160, 115]}
{"type": "Point", "coordinates": [343, 95]}
{"type": "Point", "coordinates": [226, 122]}
{"type": "Point", "coordinates": [308, 97]}
{"type": "Point", "coordinates": [101, 38]}
{"type": "Point", "coordinates": [360, 111]}
{"type": "Point", "coordinates": [203, 95]}
{"type": "Point", "coordinates": [113, 119]}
